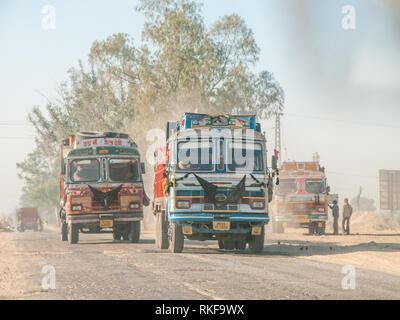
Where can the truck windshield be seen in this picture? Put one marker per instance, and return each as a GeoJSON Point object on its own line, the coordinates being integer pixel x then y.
{"type": "Point", "coordinates": [195, 156]}
{"type": "Point", "coordinates": [245, 156]}
{"type": "Point", "coordinates": [124, 170]}
{"type": "Point", "coordinates": [287, 186]}
{"type": "Point", "coordinates": [314, 186]}
{"type": "Point", "coordinates": [85, 170]}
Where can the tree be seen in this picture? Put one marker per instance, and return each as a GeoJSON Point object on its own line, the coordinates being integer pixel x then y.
{"type": "Point", "coordinates": [181, 65]}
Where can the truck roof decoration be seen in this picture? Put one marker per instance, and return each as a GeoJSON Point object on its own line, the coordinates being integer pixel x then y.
{"type": "Point", "coordinates": [195, 120]}
{"type": "Point", "coordinates": [83, 140]}
{"type": "Point", "coordinates": [305, 168]}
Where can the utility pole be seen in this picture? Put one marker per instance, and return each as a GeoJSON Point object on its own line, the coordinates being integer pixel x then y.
{"type": "Point", "coordinates": [278, 137]}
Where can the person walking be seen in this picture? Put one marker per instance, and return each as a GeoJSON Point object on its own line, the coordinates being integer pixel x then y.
{"type": "Point", "coordinates": [335, 212]}
{"type": "Point", "coordinates": [347, 212]}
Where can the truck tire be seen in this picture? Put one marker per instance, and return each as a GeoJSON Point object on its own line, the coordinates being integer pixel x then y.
{"type": "Point", "coordinates": [117, 235]}
{"type": "Point", "coordinates": [73, 233]}
{"type": "Point", "coordinates": [229, 244]}
{"type": "Point", "coordinates": [125, 236]}
{"type": "Point", "coordinates": [161, 232]}
{"type": "Point", "coordinates": [134, 232]}
{"type": "Point", "coordinates": [256, 243]}
{"type": "Point", "coordinates": [311, 228]}
{"type": "Point", "coordinates": [221, 244]}
{"type": "Point", "coordinates": [64, 231]}
{"type": "Point", "coordinates": [240, 245]}
{"type": "Point", "coordinates": [176, 240]}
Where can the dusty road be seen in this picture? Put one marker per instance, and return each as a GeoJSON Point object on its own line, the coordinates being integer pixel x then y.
{"type": "Point", "coordinates": [292, 266]}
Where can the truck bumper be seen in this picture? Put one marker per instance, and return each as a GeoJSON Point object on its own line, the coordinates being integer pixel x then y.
{"type": "Point", "coordinates": [293, 218]}
{"type": "Point", "coordinates": [95, 218]}
{"type": "Point", "coordinates": [203, 223]}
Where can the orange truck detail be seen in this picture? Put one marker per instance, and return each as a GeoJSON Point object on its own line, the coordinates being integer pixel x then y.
{"type": "Point", "coordinates": [28, 219]}
{"type": "Point", "coordinates": [101, 186]}
{"type": "Point", "coordinates": [301, 198]}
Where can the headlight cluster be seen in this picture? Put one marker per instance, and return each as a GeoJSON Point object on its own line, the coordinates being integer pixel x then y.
{"type": "Point", "coordinates": [183, 204]}
{"type": "Point", "coordinates": [134, 205]}
{"type": "Point", "coordinates": [76, 207]}
{"type": "Point", "coordinates": [258, 204]}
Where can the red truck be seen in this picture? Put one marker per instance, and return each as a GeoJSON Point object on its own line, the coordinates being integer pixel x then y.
{"type": "Point", "coordinates": [29, 219]}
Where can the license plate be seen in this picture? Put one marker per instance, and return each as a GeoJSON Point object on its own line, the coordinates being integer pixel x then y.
{"type": "Point", "coordinates": [187, 230]}
{"type": "Point", "coordinates": [106, 223]}
{"type": "Point", "coordinates": [221, 225]}
{"type": "Point", "coordinates": [320, 224]}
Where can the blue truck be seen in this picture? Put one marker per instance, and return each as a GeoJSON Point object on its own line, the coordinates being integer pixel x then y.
{"type": "Point", "coordinates": [212, 182]}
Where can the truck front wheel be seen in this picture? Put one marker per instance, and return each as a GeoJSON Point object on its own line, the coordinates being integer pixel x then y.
{"type": "Point", "coordinates": [73, 233]}
{"type": "Point", "coordinates": [176, 239]}
{"type": "Point", "coordinates": [256, 243]}
{"type": "Point", "coordinates": [134, 232]}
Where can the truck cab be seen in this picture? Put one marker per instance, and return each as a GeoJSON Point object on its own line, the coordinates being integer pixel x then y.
{"type": "Point", "coordinates": [101, 186]}
{"type": "Point", "coordinates": [301, 199]}
{"type": "Point", "coordinates": [211, 183]}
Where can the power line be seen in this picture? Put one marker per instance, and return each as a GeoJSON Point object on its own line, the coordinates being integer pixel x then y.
{"type": "Point", "coordinates": [16, 138]}
{"type": "Point", "coordinates": [343, 121]}
{"type": "Point", "coordinates": [15, 124]}
{"type": "Point", "coordinates": [351, 175]}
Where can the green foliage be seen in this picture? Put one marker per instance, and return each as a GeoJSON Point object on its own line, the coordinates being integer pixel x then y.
{"type": "Point", "coordinates": [180, 66]}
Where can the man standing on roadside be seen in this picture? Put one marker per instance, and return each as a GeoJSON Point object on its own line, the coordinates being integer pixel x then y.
{"type": "Point", "coordinates": [335, 213]}
{"type": "Point", "coordinates": [347, 212]}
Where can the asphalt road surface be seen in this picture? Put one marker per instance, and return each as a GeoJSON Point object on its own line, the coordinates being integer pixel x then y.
{"type": "Point", "coordinates": [292, 266]}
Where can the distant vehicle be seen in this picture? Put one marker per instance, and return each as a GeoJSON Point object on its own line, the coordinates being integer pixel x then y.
{"type": "Point", "coordinates": [301, 199]}
{"type": "Point", "coordinates": [212, 183]}
{"type": "Point", "coordinates": [101, 186]}
{"type": "Point", "coordinates": [6, 224]}
{"type": "Point", "coordinates": [29, 219]}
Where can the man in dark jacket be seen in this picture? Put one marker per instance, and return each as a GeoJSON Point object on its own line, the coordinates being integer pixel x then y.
{"type": "Point", "coordinates": [335, 213]}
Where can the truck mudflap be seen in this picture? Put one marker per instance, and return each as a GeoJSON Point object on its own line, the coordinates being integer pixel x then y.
{"type": "Point", "coordinates": [96, 218]}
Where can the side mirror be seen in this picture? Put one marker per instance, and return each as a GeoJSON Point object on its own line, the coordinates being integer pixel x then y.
{"type": "Point", "coordinates": [328, 189]}
{"type": "Point", "coordinates": [143, 167]}
{"type": "Point", "coordinates": [274, 163]}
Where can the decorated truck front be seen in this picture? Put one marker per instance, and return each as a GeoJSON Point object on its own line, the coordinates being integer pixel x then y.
{"type": "Point", "coordinates": [101, 186]}
{"type": "Point", "coordinates": [211, 183]}
{"type": "Point", "coordinates": [301, 199]}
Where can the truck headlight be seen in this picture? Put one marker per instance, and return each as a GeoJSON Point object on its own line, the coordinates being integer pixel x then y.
{"type": "Point", "coordinates": [134, 205]}
{"type": "Point", "coordinates": [183, 204]}
{"type": "Point", "coordinates": [258, 204]}
{"type": "Point", "coordinates": [76, 207]}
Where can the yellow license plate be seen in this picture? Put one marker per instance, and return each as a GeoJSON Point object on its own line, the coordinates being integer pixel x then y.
{"type": "Point", "coordinates": [106, 223]}
{"type": "Point", "coordinates": [221, 225]}
{"type": "Point", "coordinates": [256, 231]}
{"type": "Point", "coordinates": [187, 230]}
{"type": "Point", "coordinates": [320, 224]}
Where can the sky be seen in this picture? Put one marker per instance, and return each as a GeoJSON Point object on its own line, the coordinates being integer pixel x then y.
{"type": "Point", "coordinates": [342, 86]}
